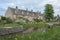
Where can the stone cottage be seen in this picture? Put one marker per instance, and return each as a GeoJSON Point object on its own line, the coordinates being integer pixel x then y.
{"type": "Point", "coordinates": [15, 13]}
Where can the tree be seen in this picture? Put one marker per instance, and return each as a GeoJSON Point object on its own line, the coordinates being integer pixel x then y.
{"type": "Point", "coordinates": [3, 18]}
{"type": "Point", "coordinates": [48, 12]}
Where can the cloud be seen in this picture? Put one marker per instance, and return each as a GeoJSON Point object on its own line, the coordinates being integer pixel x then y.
{"type": "Point", "coordinates": [30, 4]}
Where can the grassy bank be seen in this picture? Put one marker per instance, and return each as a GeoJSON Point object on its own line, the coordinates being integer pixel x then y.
{"type": "Point", "coordinates": [50, 34]}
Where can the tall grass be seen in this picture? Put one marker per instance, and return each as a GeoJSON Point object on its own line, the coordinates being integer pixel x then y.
{"type": "Point", "coordinates": [49, 34]}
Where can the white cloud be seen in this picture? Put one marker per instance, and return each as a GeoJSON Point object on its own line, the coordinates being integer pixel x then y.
{"type": "Point", "coordinates": [10, 4]}
{"type": "Point", "coordinates": [31, 4]}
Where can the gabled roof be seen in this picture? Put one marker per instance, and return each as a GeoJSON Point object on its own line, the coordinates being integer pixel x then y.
{"type": "Point", "coordinates": [19, 12]}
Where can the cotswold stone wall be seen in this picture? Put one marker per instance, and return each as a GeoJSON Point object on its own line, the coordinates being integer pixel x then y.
{"type": "Point", "coordinates": [13, 30]}
{"type": "Point", "coordinates": [10, 30]}
{"type": "Point", "coordinates": [56, 24]}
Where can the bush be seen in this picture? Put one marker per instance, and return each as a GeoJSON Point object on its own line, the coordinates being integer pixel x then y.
{"type": "Point", "coordinates": [5, 20]}
{"type": "Point", "coordinates": [37, 20]}
{"type": "Point", "coordinates": [8, 20]}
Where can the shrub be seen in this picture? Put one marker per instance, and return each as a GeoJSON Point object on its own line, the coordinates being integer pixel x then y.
{"type": "Point", "coordinates": [5, 20]}
{"type": "Point", "coordinates": [8, 20]}
{"type": "Point", "coordinates": [37, 20]}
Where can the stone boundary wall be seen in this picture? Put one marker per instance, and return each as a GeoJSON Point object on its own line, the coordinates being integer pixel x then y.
{"type": "Point", "coordinates": [56, 24]}
{"type": "Point", "coordinates": [53, 25]}
{"type": "Point", "coordinates": [10, 30]}
{"type": "Point", "coordinates": [13, 30]}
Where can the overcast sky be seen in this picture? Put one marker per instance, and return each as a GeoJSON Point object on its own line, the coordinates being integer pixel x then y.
{"type": "Point", "coordinates": [36, 5]}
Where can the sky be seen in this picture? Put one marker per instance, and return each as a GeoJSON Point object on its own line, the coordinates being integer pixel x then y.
{"type": "Point", "coordinates": [35, 5]}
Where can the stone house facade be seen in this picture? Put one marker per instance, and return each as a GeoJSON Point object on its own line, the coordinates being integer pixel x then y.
{"type": "Point", "coordinates": [14, 13]}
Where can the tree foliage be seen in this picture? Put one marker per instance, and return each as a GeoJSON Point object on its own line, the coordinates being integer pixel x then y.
{"type": "Point", "coordinates": [5, 20]}
{"type": "Point", "coordinates": [49, 12]}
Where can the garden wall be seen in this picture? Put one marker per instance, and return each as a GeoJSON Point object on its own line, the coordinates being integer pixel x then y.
{"type": "Point", "coordinates": [10, 30]}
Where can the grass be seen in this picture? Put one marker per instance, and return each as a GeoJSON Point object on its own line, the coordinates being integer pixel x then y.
{"type": "Point", "coordinates": [9, 25]}
{"type": "Point", "coordinates": [54, 22]}
{"type": "Point", "coordinates": [25, 25]}
{"type": "Point", "coordinates": [49, 34]}
{"type": "Point", "coordinates": [29, 25]}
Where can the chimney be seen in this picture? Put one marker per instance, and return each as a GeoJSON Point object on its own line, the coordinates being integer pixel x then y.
{"type": "Point", "coordinates": [26, 9]}
{"type": "Point", "coordinates": [31, 10]}
{"type": "Point", "coordinates": [16, 11]}
{"type": "Point", "coordinates": [16, 7]}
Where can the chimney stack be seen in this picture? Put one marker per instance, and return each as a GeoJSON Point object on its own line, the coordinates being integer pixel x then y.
{"type": "Point", "coordinates": [26, 9]}
{"type": "Point", "coordinates": [31, 10]}
{"type": "Point", "coordinates": [16, 11]}
{"type": "Point", "coordinates": [16, 7]}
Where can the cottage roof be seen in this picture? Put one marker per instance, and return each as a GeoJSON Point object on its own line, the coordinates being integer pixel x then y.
{"type": "Point", "coordinates": [25, 12]}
